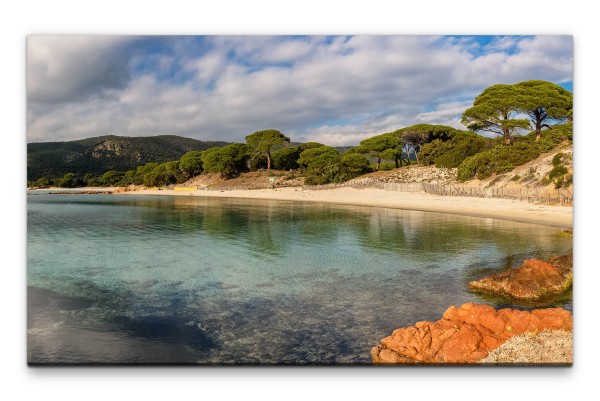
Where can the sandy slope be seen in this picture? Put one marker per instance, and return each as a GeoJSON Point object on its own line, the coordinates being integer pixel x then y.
{"type": "Point", "coordinates": [559, 216]}
{"type": "Point", "coordinates": [546, 347]}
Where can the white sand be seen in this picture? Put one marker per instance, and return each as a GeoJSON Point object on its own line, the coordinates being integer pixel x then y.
{"type": "Point", "coordinates": [506, 209]}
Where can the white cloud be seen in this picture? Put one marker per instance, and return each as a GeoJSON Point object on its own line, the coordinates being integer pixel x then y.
{"type": "Point", "coordinates": [61, 68]}
{"type": "Point", "coordinates": [502, 43]}
{"type": "Point", "coordinates": [445, 114]}
{"type": "Point", "coordinates": [351, 133]}
{"type": "Point", "coordinates": [289, 51]}
{"type": "Point", "coordinates": [348, 88]}
{"type": "Point", "coordinates": [207, 68]}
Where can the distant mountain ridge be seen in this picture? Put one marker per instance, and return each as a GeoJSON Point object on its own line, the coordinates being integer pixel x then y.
{"type": "Point", "coordinates": [100, 154]}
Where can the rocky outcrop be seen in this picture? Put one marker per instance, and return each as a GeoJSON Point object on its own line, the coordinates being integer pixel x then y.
{"type": "Point", "coordinates": [129, 188]}
{"type": "Point", "coordinates": [86, 192]}
{"type": "Point", "coordinates": [465, 334]}
{"type": "Point", "coordinates": [535, 280]}
{"type": "Point", "coordinates": [429, 174]}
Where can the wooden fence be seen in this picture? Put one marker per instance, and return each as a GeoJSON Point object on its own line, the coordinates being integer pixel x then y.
{"type": "Point", "coordinates": [561, 195]}
{"type": "Point", "coordinates": [542, 195]}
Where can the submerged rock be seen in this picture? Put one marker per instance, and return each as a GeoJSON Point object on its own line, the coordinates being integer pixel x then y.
{"type": "Point", "coordinates": [465, 334]}
{"type": "Point", "coordinates": [535, 280]}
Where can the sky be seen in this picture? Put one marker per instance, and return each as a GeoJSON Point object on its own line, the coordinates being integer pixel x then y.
{"type": "Point", "coordinates": [336, 90]}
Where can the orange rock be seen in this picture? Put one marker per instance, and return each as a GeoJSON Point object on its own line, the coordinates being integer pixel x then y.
{"type": "Point", "coordinates": [465, 334]}
{"type": "Point", "coordinates": [535, 280]}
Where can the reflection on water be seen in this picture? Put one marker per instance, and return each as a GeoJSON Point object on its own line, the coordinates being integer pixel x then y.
{"type": "Point", "coordinates": [126, 279]}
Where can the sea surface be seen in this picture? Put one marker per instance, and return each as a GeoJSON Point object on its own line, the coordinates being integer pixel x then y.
{"type": "Point", "coordinates": [116, 279]}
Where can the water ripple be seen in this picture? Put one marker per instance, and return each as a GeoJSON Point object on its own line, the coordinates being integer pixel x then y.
{"type": "Point", "coordinates": [224, 281]}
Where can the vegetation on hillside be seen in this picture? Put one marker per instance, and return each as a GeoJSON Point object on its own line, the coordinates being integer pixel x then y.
{"type": "Point", "coordinates": [451, 151]}
{"type": "Point", "coordinates": [100, 154]}
{"type": "Point", "coordinates": [501, 159]}
{"type": "Point", "coordinates": [506, 110]}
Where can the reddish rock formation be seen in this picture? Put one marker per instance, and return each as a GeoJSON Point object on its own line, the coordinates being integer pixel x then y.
{"type": "Point", "coordinates": [86, 192]}
{"type": "Point", "coordinates": [128, 188]}
{"type": "Point", "coordinates": [533, 281]}
{"type": "Point", "coordinates": [465, 334]}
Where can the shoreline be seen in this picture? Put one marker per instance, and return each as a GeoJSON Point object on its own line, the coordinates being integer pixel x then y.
{"type": "Point", "coordinates": [496, 208]}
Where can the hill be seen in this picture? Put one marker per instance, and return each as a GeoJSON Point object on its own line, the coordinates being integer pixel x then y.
{"type": "Point", "coordinates": [100, 154]}
{"type": "Point", "coordinates": [535, 180]}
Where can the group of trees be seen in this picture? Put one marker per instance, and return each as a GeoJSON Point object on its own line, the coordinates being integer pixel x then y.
{"type": "Point", "coordinates": [324, 164]}
{"type": "Point", "coordinates": [227, 160]}
{"type": "Point", "coordinates": [498, 158]}
{"type": "Point", "coordinates": [271, 149]}
{"type": "Point", "coordinates": [505, 110]}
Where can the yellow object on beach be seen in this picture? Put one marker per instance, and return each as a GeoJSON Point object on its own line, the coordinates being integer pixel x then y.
{"type": "Point", "coordinates": [185, 188]}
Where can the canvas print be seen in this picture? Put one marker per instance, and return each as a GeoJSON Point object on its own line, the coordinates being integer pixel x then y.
{"type": "Point", "coordinates": [299, 200]}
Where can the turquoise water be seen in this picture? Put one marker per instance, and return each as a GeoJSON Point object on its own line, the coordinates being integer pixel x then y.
{"type": "Point", "coordinates": [184, 280]}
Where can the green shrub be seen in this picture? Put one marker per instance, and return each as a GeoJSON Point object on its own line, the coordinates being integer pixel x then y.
{"type": "Point", "coordinates": [352, 165]}
{"type": "Point", "coordinates": [557, 159]}
{"type": "Point", "coordinates": [557, 172]}
{"type": "Point", "coordinates": [500, 159]}
{"type": "Point", "coordinates": [516, 178]}
{"type": "Point", "coordinates": [69, 180]}
{"type": "Point", "coordinates": [286, 158]}
{"type": "Point", "coordinates": [453, 152]}
{"type": "Point", "coordinates": [315, 180]}
{"type": "Point", "coordinates": [554, 136]}
{"type": "Point", "coordinates": [386, 166]}
{"type": "Point", "coordinates": [432, 150]}
{"type": "Point", "coordinates": [111, 178]}
{"type": "Point", "coordinates": [460, 148]}
{"type": "Point", "coordinates": [42, 182]}
{"type": "Point", "coordinates": [94, 182]}
{"type": "Point", "coordinates": [475, 166]}
{"type": "Point", "coordinates": [321, 165]}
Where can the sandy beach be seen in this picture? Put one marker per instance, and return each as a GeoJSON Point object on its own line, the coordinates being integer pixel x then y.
{"type": "Point", "coordinates": [505, 209]}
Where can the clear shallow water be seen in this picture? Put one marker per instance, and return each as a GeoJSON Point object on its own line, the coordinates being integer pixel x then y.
{"type": "Point", "coordinates": [138, 279]}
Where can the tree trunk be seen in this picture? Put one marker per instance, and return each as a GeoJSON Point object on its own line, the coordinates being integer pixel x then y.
{"type": "Point", "coordinates": [507, 139]}
{"type": "Point", "coordinates": [416, 156]}
{"type": "Point", "coordinates": [505, 131]}
{"type": "Point", "coordinates": [378, 162]}
{"type": "Point", "coordinates": [396, 160]}
{"type": "Point", "coordinates": [250, 160]}
{"type": "Point", "coordinates": [538, 130]}
{"type": "Point", "coordinates": [268, 161]}
{"type": "Point", "coordinates": [407, 150]}
{"type": "Point", "coordinates": [539, 119]}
